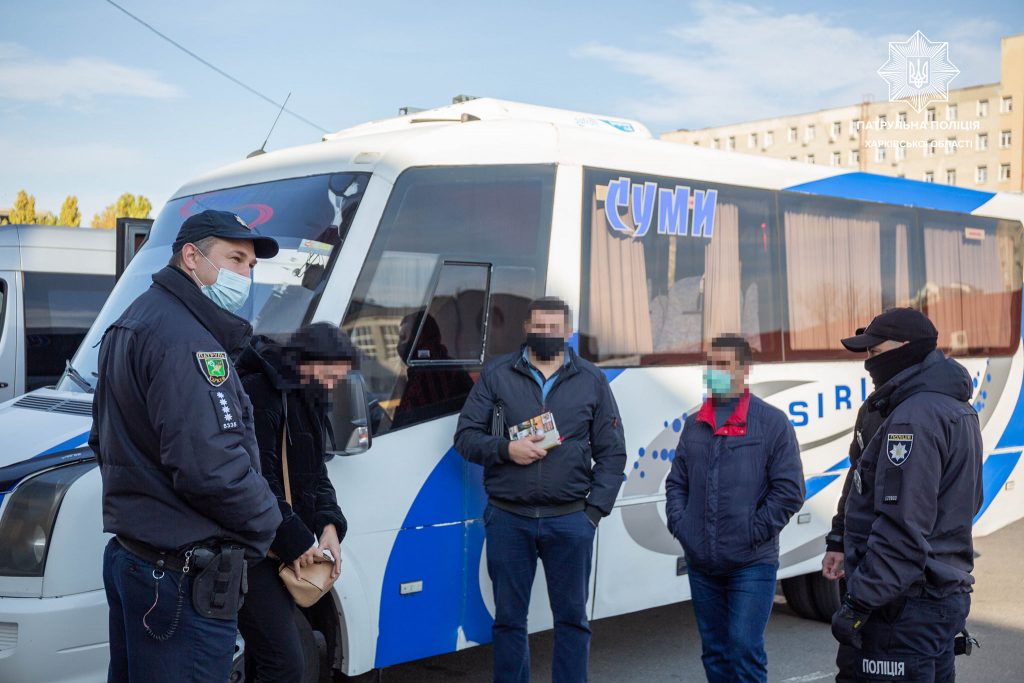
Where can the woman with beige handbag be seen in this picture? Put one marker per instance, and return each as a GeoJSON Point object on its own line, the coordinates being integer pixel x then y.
{"type": "Point", "coordinates": [290, 388]}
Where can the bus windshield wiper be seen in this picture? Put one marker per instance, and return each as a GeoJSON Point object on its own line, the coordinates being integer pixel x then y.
{"type": "Point", "coordinates": [77, 378]}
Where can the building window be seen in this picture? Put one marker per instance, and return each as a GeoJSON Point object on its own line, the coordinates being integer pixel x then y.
{"type": "Point", "coordinates": [792, 133]}
{"type": "Point", "coordinates": [982, 141]}
{"type": "Point", "coordinates": [716, 143]}
{"type": "Point", "coordinates": [809, 132]}
{"type": "Point", "coordinates": [837, 159]}
{"type": "Point", "coordinates": [752, 141]}
{"type": "Point", "coordinates": [929, 176]}
{"type": "Point", "coordinates": [929, 114]}
{"type": "Point", "coordinates": [769, 139]}
{"type": "Point", "coordinates": [901, 152]}
{"type": "Point", "coordinates": [731, 144]}
{"type": "Point", "coordinates": [1004, 171]}
{"type": "Point", "coordinates": [950, 145]}
{"type": "Point", "coordinates": [854, 128]}
{"type": "Point", "coordinates": [982, 107]}
{"type": "Point", "coordinates": [879, 153]}
{"type": "Point", "coordinates": [901, 117]}
{"type": "Point", "coordinates": [837, 129]}
{"type": "Point", "coordinates": [883, 121]}
{"type": "Point", "coordinates": [951, 176]}
{"type": "Point", "coordinates": [901, 175]}
{"type": "Point", "coordinates": [951, 112]}
{"type": "Point", "coordinates": [1006, 104]}
{"type": "Point", "coordinates": [1004, 139]}
{"type": "Point", "coordinates": [854, 156]}
{"type": "Point", "coordinates": [792, 158]}
{"type": "Point", "coordinates": [810, 158]}
{"type": "Point", "coordinates": [696, 143]}
{"type": "Point", "coordinates": [981, 176]}
{"type": "Point", "coordinates": [929, 149]}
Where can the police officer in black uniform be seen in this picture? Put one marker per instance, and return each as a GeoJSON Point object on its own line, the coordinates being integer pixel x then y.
{"type": "Point", "coordinates": [915, 491]}
{"type": "Point", "coordinates": [174, 434]}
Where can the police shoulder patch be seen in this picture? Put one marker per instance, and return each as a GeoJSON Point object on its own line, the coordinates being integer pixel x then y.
{"type": "Point", "coordinates": [898, 447]}
{"type": "Point", "coordinates": [214, 366]}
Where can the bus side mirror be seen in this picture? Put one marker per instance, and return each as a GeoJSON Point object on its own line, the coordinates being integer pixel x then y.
{"type": "Point", "coordinates": [131, 234]}
{"type": "Point", "coordinates": [348, 416]}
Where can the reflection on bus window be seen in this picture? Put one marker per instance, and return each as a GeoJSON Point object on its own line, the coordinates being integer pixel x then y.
{"type": "Point", "coordinates": [660, 298]}
{"type": "Point", "coordinates": [426, 276]}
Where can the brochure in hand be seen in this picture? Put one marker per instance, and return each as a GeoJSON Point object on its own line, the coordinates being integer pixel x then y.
{"type": "Point", "coordinates": [542, 425]}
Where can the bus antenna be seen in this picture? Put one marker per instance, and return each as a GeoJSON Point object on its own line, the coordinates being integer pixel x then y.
{"type": "Point", "coordinates": [262, 149]}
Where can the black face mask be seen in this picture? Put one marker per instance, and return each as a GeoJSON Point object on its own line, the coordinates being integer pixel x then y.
{"type": "Point", "coordinates": [885, 366]}
{"type": "Point", "coordinates": [543, 346]}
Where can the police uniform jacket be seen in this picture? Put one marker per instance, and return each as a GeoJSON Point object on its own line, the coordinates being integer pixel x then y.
{"type": "Point", "coordinates": [868, 421]}
{"type": "Point", "coordinates": [916, 488]}
{"type": "Point", "coordinates": [173, 428]}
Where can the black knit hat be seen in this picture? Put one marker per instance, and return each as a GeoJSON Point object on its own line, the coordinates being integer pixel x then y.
{"type": "Point", "coordinates": [321, 343]}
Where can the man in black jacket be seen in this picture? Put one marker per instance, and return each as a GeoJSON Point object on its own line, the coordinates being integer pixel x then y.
{"type": "Point", "coordinates": [173, 431]}
{"type": "Point", "coordinates": [916, 488]}
{"type": "Point", "coordinates": [543, 503]}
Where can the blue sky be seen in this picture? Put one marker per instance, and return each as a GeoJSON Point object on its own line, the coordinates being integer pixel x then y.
{"type": "Point", "coordinates": [95, 105]}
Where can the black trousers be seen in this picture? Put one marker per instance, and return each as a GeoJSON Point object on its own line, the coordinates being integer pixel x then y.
{"type": "Point", "coordinates": [267, 624]}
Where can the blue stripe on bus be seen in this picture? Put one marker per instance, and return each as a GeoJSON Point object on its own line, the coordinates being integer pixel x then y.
{"type": "Point", "coordinates": [73, 442]}
{"type": "Point", "coordinates": [816, 484]}
{"type": "Point", "coordinates": [899, 191]}
{"type": "Point", "coordinates": [996, 471]}
{"type": "Point", "coordinates": [843, 464]}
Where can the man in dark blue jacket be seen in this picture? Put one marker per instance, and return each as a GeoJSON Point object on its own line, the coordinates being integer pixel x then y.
{"type": "Point", "coordinates": [543, 503]}
{"type": "Point", "coordinates": [915, 491]}
{"type": "Point", "coordinates": [173, 431]}
{"type": "Point", "coordinates": [735, 482]}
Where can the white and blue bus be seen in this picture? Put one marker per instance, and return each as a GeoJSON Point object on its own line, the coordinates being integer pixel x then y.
{"type": "Point", "coordinates": [457, 218]}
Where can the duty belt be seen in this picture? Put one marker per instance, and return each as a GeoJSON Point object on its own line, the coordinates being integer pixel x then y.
{"type": "Point", "coordinates": [167, 559]}
{"type": "Point", "coordinates": [538, 511]}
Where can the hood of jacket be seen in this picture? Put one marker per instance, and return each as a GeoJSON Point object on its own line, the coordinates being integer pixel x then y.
{"type": "Point", "coordinates": [936, 373]}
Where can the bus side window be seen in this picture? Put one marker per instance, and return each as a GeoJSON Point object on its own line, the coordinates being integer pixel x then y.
{"type": "Point", "coordinates": [3, 307]}
{"type": "Point", "coordinates": [459, 254]}
{"type": "Point", "coordinates": [59, 309]}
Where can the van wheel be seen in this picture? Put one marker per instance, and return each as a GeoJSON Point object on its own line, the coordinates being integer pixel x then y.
{"type": "Point", "coordinates": [798, 594]}
{"type": "Point", "coordinates": [826, 595]}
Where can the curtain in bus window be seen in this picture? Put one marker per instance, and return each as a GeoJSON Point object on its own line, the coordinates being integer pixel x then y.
{"type": "Point", "coordinates": [723, 310]}
{"type": "Point", "coordinates": [834, 269]}
{"type": "Point", "coordinates": [619, 318]}
{"type": "Point", "coordinates": [902, 269]}
{"type": "Point", "coordinates": [968, 295]}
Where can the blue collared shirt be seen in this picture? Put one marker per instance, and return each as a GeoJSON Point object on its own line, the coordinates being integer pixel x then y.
{"type": "Point", "coordinates": [545, 385]}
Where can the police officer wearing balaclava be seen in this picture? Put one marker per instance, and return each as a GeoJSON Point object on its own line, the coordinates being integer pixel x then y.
{"type": "Point", "coordinates": [915, 490]}
{"type": "Point", "coordinates": [173, 431]}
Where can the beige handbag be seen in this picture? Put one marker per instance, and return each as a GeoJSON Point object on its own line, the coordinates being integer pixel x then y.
{"type": "Point", "coordinates": [316, 579]}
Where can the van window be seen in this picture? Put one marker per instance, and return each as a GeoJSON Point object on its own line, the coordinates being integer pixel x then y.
{"type": "Point", "coordinates": [457, 258]}
{"type": "Point", "coordinates": [59, 309]}
{"type": "Point", "coordinates": [972, 282]}
{"type": "Point", "coordinates": [669, 264]}
{"type": "Point", "coordinates": [845, 262]}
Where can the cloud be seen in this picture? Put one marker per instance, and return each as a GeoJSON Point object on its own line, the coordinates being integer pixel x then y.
{"type": "Point", "coordinates": [27, 77]}
{"type": "Point", "coordinates": [736, 62]}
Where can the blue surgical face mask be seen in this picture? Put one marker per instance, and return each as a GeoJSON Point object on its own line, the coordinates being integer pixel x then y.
{"type": "Point", "coordinates": [718, 382]}
{"type": "Point", "coordinates": [229, 291]}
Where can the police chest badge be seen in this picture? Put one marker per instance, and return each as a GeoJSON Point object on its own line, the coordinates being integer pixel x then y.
{"type": "Point", "coordinates": [898, 447]}
{"type": "Point", "coordinates": [214, 366]}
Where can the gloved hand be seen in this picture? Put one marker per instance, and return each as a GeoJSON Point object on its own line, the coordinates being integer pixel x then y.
{"type": "Point", "coordinates": [848, 620]}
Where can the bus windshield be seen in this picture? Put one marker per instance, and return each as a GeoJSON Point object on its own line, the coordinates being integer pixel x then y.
{"type": "Point", "coordinates": [309, 217]}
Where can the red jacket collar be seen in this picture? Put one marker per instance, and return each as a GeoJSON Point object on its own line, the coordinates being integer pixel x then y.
{"type": "Point", "coordinates": [736, 425]}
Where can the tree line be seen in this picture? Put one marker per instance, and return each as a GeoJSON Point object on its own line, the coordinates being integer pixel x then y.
{"type": "Point", "coordinates": [127, 205]}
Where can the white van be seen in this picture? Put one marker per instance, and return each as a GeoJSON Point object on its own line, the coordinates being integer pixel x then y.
{"type": "Point", "coordinates": [53, 282]}
{"type": "Point", "coordinates": [456, 218]}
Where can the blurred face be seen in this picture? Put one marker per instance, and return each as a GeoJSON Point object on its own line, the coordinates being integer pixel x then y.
{"type": "Point", "coordinates": [238, 256]}
{"type": "Point", "coordinates": [725, 360]}
{"type": "Point", "coordinates": [548, 324]}
{"type": "Point", "coordinates": [887, 345]}
{"type": "Point", "coordinates": [326, 374]}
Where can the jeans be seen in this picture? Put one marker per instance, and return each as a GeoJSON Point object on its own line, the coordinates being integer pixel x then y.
{"type": "Point", "coordinates": [179, 645]}
{"type": "Point", "coordinates": [732, 613]}
{"type": "Point", "coordinates": [910, 639]}
{"type": "Point", "coordinates": [273, 650]}
{"type": "Point", "coordinates": [565, 545]}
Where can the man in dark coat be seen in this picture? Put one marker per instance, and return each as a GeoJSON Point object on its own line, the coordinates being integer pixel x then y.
{"type": "Point", "coordinates": [173, 431]}
{"type": "Point", "coordinates": [908, 539]}
{"type": "Point", "coordinates": [735, 482]}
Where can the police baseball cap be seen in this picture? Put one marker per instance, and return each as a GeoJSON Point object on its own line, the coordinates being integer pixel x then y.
{"type": "Point", "coordinates": [896, 324]}
{"type": "Point", "coordinates": [225, 225]}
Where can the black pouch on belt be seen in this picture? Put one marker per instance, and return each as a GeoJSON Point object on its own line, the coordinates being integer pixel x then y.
{"type": "Point", "coordinates": [219, 589]}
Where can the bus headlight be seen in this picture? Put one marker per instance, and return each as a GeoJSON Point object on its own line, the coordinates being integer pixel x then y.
{"type": "Point", "coordinates": [29, 517]}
